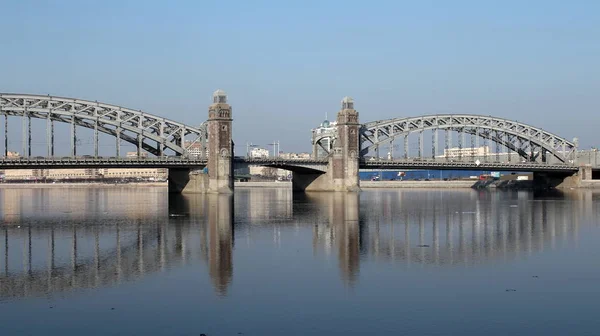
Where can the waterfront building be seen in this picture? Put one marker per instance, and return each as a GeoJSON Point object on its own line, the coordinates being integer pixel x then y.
{"type": "Point", "coordinates": [325, 127]}
{"type": "Point", "coordinates": [259, 153]}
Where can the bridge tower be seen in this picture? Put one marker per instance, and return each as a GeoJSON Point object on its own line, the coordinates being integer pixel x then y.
{"type": "Point", "coordinates": [220, 145]}
{"type": "Point", "coordinates": [344, 161]}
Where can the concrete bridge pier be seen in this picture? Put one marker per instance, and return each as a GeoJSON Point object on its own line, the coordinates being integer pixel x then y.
{"type": "Point", "coordinates": [342, 169]}
{"type": "Point", "coordinates": [188, 181]}
{"type": "Point", "coordinates": [562, 180]}
{"type": "Point", "coordinates": [218, 179]}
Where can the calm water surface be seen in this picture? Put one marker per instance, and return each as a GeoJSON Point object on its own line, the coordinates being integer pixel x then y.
{"type": "Point", "coordinates": [133, 261]}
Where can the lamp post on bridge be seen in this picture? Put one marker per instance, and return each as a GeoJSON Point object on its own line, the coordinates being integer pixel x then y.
{"type": "Point", "coordinates": [276, 148]}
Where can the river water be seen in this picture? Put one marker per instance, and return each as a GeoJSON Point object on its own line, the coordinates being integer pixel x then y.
{"type": "Point", "coordinates": [137, 261]}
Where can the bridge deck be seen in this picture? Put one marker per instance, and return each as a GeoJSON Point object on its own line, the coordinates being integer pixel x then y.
{"type": "Point", "coordinates": [113, 162]}
{"type": "Point", "coordinates": [446, 165]}
{"type": "Point", "coordinates": [177, 162]}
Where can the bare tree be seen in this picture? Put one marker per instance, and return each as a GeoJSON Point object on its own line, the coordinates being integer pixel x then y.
{"type": "Point", "coordinates": [269, 172]}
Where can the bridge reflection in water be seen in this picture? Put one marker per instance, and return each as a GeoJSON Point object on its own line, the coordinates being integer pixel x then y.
{"type": "Point", "coordinates": [100, 237]}
{"type": "Point", "coordinates": [57, 240]}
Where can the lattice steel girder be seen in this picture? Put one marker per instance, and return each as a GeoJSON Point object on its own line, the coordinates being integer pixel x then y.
{"type": "Point", "coordinates": [519, 134]}
{"type": "Point", "coordinates": [87, 113]}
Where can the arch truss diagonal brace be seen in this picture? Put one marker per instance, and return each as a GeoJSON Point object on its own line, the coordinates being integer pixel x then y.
{"type": "Point", "coordinates": [136, 127]}
{"type": "Point", "coordinates": [518, 137]}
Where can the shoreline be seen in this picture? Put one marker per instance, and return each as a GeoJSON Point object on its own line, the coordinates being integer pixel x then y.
{"type": "Point", "coordinates": [80, 185]}
{"type": "Point", "coordinates": [465, 184]}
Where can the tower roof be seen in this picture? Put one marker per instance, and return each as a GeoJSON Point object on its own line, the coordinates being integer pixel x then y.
{"type": "Point", "coordinates": [219, 92]}
{"type": "Point", "coordinates": [347, 103]}
{"type": "Point", "coordinates": [219, 96]}
{"type": "Point", "coordinates": [347, 100]}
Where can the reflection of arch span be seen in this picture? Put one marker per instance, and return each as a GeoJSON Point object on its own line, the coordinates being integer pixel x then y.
{"type": "Point", "coordinates": [460, 227]}
{"type": "Point", "coordinates": [135, 127]}
{"type": "Point", "coordinates": [199, 228]}
{"type": "Point", "coordinates": [470, 229]}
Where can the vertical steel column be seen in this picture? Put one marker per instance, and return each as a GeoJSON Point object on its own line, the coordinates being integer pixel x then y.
{"type": "Point", "coordinates": [460, 142]}
{"type": "Point", "coordinates": [140, 141]}
{"type": "Point", "coordinates": [52, 138]}
{"type": "Point", "coordinates": [377, 143]}
{"type": "Point", "coordinates": [161, 134]}
{"type": "Point", "coordinates": [447, 140]}
{"type": "Point", "coordinates": [96, 138]}
{"type": "Point", "coordinates": [74, 140]}
{"type": "Point", "coordinates": [185, 152]}
{"type": "Point", "coordinates": [24, 133]}
{"type": "Point", "coordinates": [477, 140]}
{"type": "Point", "coordinates": [530, 149]}
{"type": "Point", "coordinates": [421, 145]}
{"type": "Point", "coordinates": [463, 140]}
{"type": "Point", "coordinates": [96, 131]}
{"type": "Point", "coordinates": [508, 149]}
{"type": "Point", "coordinates": [118, 135]}
{"type": "Point", "coordinates": [485, 148]}
{"type": "Point", "coordinates": [28, 135]}
{"type": "Point", "coordinates": [48, 150]}
{"type": "Point", "coordinates": [472, 147]}
{"type": "Point", "coordinates": [391, 142]}
{"type": "Point", "coordinates": [5, 135]}
{"type": "Point", "coordinates": [433, 143]}
{"type": "Point", "coordinates": [497, 146]}
{"type": "Point", "coordinates": [204, 137]}
{"type": "Point", "coordinates": [406, 146]}
{"type": "Point", "coordinates": [118, 141]}
{"type": "Point", "coordinates": [73, 136]}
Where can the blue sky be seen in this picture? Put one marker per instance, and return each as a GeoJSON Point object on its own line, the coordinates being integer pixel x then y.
{"type": "Point", "coordinates": [285, 64]}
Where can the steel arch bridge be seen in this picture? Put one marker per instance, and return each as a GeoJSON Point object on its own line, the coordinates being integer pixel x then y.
{"type": "Point", "coordinates": [518, 137]}
{"type": "Point", "coordinates": [148, 132]}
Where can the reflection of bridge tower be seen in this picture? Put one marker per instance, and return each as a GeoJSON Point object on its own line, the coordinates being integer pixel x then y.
{"type": "Point", "coordinates": [344, 163]}
{"type": "Point", "coordinates": [345, 223]}
{"type": "Point", "coordinates": [220, 146]}
{"type": "Point", "coordinates": [220, 222]}
{"type": "Point", "coordinates": [343, 231]}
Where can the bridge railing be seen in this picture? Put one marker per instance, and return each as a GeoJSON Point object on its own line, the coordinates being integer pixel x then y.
{"type": "Point", "coordinates": [68, 159]}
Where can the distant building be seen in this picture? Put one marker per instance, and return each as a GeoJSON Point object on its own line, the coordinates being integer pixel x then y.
{"type": "Point", "coordinates": [84, 173]}
{"type": "Point", "coordinates": [292, 156]}
{"type": "Point", "coordinates": [466, 152]}
{"type": "Point", "coordinates": [327, 142]}
{"type": "Point", "coordinates": [259, 153]}
{"type": "Point", "coordinates": [13, 155]}
{"type": "Point", "coordinates": [195, 148]}
{"type": "Point", "coordinates": [135, 154]}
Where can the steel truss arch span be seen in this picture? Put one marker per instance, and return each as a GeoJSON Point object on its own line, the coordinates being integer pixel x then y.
{"type": "Point", "coordinates": [517, 136]}
{"type": "Point", "coordinates": [106, 118]}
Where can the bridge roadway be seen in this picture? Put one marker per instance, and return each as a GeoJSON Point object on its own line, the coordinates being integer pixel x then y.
{"type": "Point", "coordinates": [419, 164]}
{"type": "Point", "coordinates": [318, 164]}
